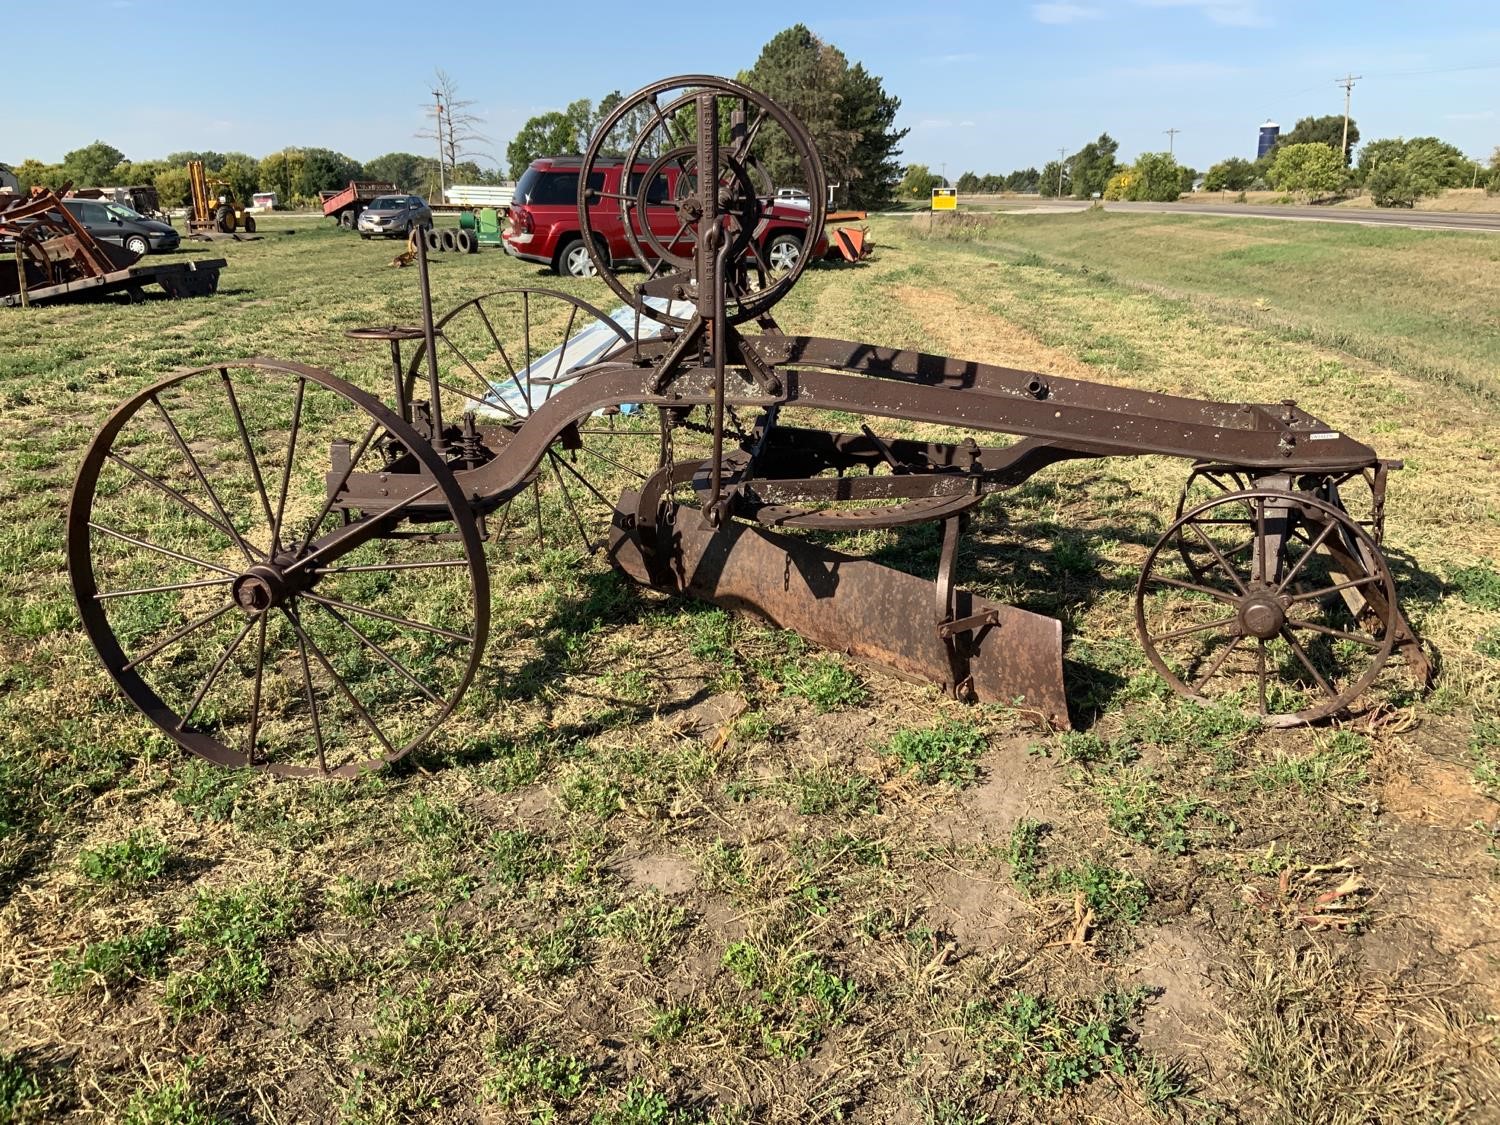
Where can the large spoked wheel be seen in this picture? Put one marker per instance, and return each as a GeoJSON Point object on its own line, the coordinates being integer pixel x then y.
{"type": "Point", "coordinates": [1275, 601]}
{"type": "Point", "coordinates": [199, 545]}
{"type": "Point", "coordinates": [503, 355]}
{"type": "Point", "coordinates": [663, 209]}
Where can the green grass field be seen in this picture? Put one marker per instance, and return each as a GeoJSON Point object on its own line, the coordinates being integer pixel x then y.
{"type": "Point", "coordinates": [1426, 303]}
{"type": "Point", "coordinates": [665, 865]}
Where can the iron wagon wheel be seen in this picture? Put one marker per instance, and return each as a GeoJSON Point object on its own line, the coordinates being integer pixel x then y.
{"type": "Point", "coordinates": [501, 356]}
{"type": "Point", "coordinates": [1294, 630]}
{"type": "Point", "coordinates": [658, 126]}
{"type": "Point", "coordinates": [199, 551]}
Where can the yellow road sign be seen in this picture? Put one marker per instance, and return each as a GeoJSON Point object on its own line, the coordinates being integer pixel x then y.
{"type": "Point", "coordinates": [944, 199]}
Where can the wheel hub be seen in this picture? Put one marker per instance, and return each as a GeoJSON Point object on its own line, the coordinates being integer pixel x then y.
{"type": "Point", "coordinates": [1261, 615]}
{"type": "Point", "coordinates": [264, 587]}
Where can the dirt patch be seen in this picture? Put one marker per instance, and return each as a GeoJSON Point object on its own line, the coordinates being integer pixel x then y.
{"type": "Point", "coordinates": [981, 913]}
{"type": "Point", "coordinates": [668, 872]}
{"type": "Point", "coordinates": [959, 329]}
{"type": "Point", "coordinates": [1435, 910]}
{"type": "Point", "coordinates": [1436, 794]}
{"type": "Point", "coordinates": [1011, 788]}
{"type": "Point", "coordinates": [1187, 1014]}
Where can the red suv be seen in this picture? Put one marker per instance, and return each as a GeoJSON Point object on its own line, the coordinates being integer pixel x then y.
{"type": "Point", "coordinates": [543, 225]}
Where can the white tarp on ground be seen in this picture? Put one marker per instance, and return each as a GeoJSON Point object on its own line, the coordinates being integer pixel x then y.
{"type": "Point", "coordinates": [580, 350]}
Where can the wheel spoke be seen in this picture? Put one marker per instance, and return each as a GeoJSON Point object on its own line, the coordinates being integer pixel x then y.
{"type": "Point", "coordinates": [588, 484]}
{"type": "Point", "coordinates": [338, 682]}
{"type": "Point", "coordinates": [588, 544]}
{"type": "Point", "coordinates": [260, 666]}
{"type": "Point", "coordinates": [1307, 663]}
{"type": "Point", "coordinates": [168, 490]}
{"type": "Point", "coordinates": [391, 566]}
{"type": "Point", "coordinates": [325, 600]}
{"type": "Point", "coordinates": [239, 422]}
{"type": "Point", "coordinates": [616, 464]}
{"type": "Point", "coordinates": [1219, 663]}
{"type": "Point", "coordinates": [1339, 634]}
{"type": "Point", "coordinates": [1353, 583]}
{"type": "Point", "coordinates": [482, 401]}
{"type": "Point", "coordinates": [163, 589]}
{"type": "Point", "coordinates": [369, 643]}
{"type": "Point", "coordinates": [1260, 670]}
{"type": "Point", "coordinates": [526, 342]}
{"type": "Point", "coordinates": [309, 560]}
{"type": "Point", "coordinates": [515, 376]}
{"type": "Point", "coordinates": [190, 627]}
{"type": "Point", "coordinates": [1189, 630]}
{"type": "Point", "coordinates": [202, 479]}
{"type": "Point", "coordinates": [113, 534]}
{"type": "Point", "coordinates": [286, 470]}
{"type": "Point", "coordinates": [312, 695]}
{"type": "Point", "coordinates": [1178, 583]}
{"type": "Point", "coordinates": [1297, 567]}
{"type": "Point", "coordinates": [1218, 555]}
{"type": "Point", "coordinates": [214, 672]}
{"type": "Point", "coordinates": [562, 351]}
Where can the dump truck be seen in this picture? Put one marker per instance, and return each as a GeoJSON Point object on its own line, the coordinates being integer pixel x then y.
{"type": "Point", "coordinates": [214, 208]}
{"type": "Point", "coordinates": [343, 207]}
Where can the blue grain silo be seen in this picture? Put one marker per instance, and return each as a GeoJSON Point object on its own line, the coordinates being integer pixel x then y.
{"type": "Point", "coordinates": [1270, 132]}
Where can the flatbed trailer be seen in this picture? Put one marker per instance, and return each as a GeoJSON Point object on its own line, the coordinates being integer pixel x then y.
{"type": "Point", "coordinates": [177, 279]}
{"type": "Point", "coordinates": [343, 207]}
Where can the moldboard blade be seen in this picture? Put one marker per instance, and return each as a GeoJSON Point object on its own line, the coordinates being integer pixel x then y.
{"type": "Point", "coordinates": [875, 614]}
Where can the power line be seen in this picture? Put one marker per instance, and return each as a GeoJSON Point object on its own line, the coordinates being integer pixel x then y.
{"type": "Point", "coordinates": [1171, 138]}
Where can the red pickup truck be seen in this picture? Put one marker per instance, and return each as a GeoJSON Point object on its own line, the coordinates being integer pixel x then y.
{"type": "Point", "coordinates": [544, 228]}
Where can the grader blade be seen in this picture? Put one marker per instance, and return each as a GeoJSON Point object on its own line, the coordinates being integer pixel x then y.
{"type": "Point", "coordinates": [879, 616]}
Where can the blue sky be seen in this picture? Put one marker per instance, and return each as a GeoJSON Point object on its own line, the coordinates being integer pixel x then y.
{"type": "Point", "coordinates": [984, 87]}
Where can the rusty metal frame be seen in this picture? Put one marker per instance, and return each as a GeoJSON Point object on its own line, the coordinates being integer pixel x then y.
{"type": "Point", "coordinates": [725, 527]}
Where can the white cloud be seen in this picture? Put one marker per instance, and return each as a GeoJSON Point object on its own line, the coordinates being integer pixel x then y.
{"type": "Point", "coordinates": [1230, 13]}
{"type": "Point", "coordinates": [1062, 12]}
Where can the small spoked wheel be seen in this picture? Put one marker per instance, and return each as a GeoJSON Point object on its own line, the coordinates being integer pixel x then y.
{"type": "Point", "coordinates": [240, 605]}
{"type": "Point", "coordinates": [1273, 601]}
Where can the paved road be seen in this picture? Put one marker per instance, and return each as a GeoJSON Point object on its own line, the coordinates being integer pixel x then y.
{"type": "Point", "coordinates": [1418, 220]}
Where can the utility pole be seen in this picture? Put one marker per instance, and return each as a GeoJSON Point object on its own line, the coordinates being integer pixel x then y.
{"type": "Point", "coordinates": [1171, 137]}
{"type": "Point", "coordinates": [1062, 152]}
{"type": "Point", "coordinates": [1347, 82]}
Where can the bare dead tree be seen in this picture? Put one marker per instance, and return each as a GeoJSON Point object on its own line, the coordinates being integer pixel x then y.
{"type": "Point", "coordinates": [455, 129]}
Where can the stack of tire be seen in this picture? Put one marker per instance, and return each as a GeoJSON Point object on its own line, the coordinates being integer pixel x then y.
{"type": "Point", "coordinates": [449, 241]}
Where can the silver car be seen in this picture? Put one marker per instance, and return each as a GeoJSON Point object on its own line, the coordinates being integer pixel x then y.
{"type": "Point", "coordinates": [393, 215]}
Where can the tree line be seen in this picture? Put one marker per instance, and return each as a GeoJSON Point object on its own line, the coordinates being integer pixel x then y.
{"type": "Point", "coordinates": [1313, 158]}
{"type": "Point", "coordinates": [296, 175]}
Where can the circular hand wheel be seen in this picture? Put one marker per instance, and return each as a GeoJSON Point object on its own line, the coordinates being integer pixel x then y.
{"type": "Point", "coordinates": [657, 129]}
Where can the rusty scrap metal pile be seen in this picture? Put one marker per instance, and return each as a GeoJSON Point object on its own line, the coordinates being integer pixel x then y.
{"type": "Point", "coordinates": [281, 570]}
{"type": "Point", "coordinates": [46, 254]}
